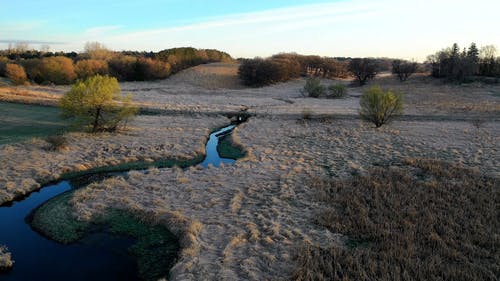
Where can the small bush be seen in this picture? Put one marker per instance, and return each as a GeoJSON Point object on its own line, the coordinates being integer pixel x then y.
{"type": "Point", "coordinates": [337, 91]}
{"type": "Point", "coordinates": [313, 88]}
{"type": "Point", "coordinates": [379, 107]}
{"type": "Point", "coordinates": [56, 142]}
{"type": "Point", "coordinates": [15, 73]}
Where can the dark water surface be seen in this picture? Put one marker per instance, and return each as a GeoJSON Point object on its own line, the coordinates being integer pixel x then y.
{"type": "Point", "coordinates": [98, 256]}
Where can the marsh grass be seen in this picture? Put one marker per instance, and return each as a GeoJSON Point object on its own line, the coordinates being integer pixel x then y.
{"type": "Point", "coordinates": [424, 220]}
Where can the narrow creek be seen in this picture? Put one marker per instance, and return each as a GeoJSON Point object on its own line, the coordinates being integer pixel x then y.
{"type": "Point", "coordinates": [100, 255]}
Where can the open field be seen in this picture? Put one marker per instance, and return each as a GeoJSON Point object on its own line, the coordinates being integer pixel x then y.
{"type": "Point", "coordinates": [248, 221]}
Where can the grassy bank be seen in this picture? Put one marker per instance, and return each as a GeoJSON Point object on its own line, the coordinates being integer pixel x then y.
{"type": "Point", "coordinates": [424, 220]}
{"type": "Point", "coordinates": [228, 149]}
{"type": "Point", "coordinates": [155, 249]}
{"type": "Point", "coordinates": [137, 165]}
{"type": "Point", "coordinates": [20, 122]}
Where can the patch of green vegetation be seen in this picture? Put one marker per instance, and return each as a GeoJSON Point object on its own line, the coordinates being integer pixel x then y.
{"type": "Point", "coordinates": [352, 243]}
{"type": "Point", "coordinates": [54, 219]}
{"type": "Point", "coordinates": [20, 122]}
{"type": "Point", "coordinates": [155, 247]}
{"type": "Point", "coordinates": [138, 165]}
{"type": "Point", "coordinates": [228, 149]}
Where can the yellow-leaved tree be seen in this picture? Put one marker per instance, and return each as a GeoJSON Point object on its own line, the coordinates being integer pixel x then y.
{"type": "Point", "coordinates": [97, 104]}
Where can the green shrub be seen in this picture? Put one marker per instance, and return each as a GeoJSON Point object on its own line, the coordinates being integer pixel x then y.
{"type": "Point", "coordinates": [97, 103]}
{"type": "Point", "coordinates": [379, 106]}
{"type": "Point", "coordinates": [337, 91]}
{"type": "Point", "coordinates": [313, 88]}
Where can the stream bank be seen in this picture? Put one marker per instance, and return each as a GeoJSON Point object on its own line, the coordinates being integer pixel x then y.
{"type": "Point", "coordinates": [38, 257]}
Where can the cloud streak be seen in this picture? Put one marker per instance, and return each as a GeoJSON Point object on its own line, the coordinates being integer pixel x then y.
{"type": "Point", "coordinates": [307, 14]}
{"type": "Point", "coordinates": [14, 41]}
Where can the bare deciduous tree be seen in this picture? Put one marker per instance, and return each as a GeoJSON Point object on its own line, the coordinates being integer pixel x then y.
{"type": "Point", "coordinates": [363, 69]}
{"type": "Point", "coordinates": [403, 69]}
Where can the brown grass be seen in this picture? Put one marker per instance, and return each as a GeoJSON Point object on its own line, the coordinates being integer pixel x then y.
{"type": "Point", "coordinates": [5, 259]}
{"type": "Point", "coordinates": [424, 220]}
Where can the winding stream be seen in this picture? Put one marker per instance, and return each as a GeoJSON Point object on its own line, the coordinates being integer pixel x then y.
{"type": "Point", "coordinates": [98, 256]}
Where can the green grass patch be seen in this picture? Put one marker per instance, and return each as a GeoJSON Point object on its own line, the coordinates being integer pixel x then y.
{"type": "Point", "coordinates": [54, 219]}
{"type": "Point", "coordinates": [20, 122]}
{"type": "Point", "coordinates": [137, 165]}
{"type": "Point", "coordinates": [228, 149]}
{"type": "Point", "coordinates": [155, 247]}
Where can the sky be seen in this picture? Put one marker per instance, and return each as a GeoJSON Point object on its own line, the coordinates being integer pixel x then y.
{"type": "Point", "coordinates": [355, 28]}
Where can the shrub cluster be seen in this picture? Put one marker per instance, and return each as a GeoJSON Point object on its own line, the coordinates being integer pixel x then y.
{"type": "Point", "coordinates": [65, 68]}
{"type": "Point", "coordinates": [15, 73]}
{"type": "Point", "coordinates": [182, 58]}
{"type": "Point", "coordinates": [403, 69]}
{"type": "Point", "coordinates": [314, 89]}
{"type": "Point", "coordinates": [283, 67]}
{"type": "Point", "coordinates": [363, 69]}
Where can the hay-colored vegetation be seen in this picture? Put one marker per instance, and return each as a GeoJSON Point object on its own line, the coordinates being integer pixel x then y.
{"type": "Point", "coordinates": [6, 261]}
{"type": "Point", "coordinates": [150, 139]}
{"type": "Point", "coordinates": [424, 220]}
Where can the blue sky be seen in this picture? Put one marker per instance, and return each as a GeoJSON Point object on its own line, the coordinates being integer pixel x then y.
{"type": "Point", "coordinates": [406, 29]}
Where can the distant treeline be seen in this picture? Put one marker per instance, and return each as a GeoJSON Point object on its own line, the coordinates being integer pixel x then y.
{"type": "Point", "coordinates": [64, 68]}
{"type": "Point", "coordinates": [283, 67]}
{"type": "Point", "coordinates": [465, 65]}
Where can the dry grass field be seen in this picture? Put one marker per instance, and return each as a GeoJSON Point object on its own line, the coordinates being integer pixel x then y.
{"type": "Point", "coordinates": [5, 259]}
{"type": "Point", "coordinates": [262, 218]}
